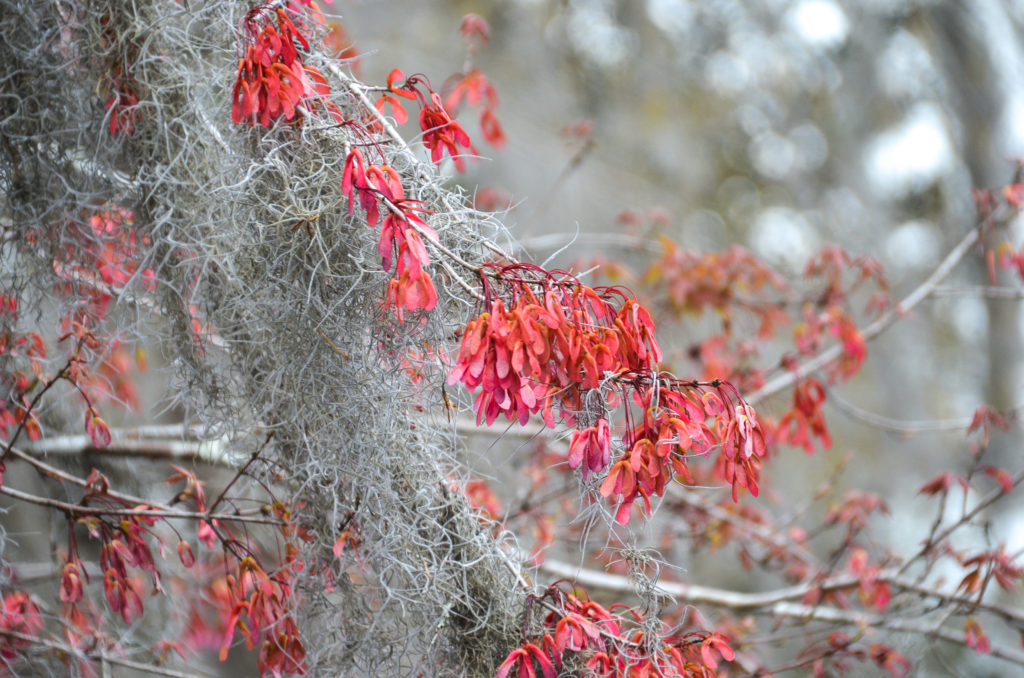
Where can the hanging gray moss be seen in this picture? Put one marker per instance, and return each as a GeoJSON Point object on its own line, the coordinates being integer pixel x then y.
{"type": "Point", "coordinates": [250, 235]}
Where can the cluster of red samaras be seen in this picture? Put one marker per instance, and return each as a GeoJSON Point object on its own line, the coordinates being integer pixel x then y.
{"type": "Point", "coordinates": [440, 131]}
{"type": "Point", "coordinates": [16, 408]}
{"type": "Point", "coordinates": [125, 552]}
{"type": "Point", "coordinates": [261, 610]}
{"type": "Point", "coordinates": [561, 343]}
{"type": "Point", "coordinates": [244, 597]}
{"type": "Point", "coordinates": [590, 349]}
{"type": "Point", "coordinates": [377, 187]}
{"type": "Point", "coordinates": [20, 620]}
{"type": "Point", "coordinates": [585, 626]}
{"type": "Point", "coordinates": [272, 80]}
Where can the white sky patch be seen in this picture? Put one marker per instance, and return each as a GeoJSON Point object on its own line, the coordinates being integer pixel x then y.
{"type": "Point", "coordinates": [913, 245]}
{"type": "Point", "coordinates": [970, 318]}
{"type": "Point", "coordinates": [783, 237]}
{"type": "Point", "coordinates": [911, 155]}
{"type": "Point", "coordinates": [1011, 525]}
{"type": "Point", "coordinates": [811, 145]}
{"type": "Point", "coordinates": [726, 73]}
{"type": "Point", "coordinates": [904, 68]}
{"type": "Point", "coordinates": [674, 17]}
{"type": "Point", "coordinates": [820, 23]}
{"type": "Point", "coordinates": [596, 35]}
{"type": "Point", "coordinates": [1013, 120]}
{"type": "Point", "coordinates": [772, 155]}
{"type": "Point", "coordinates": [1006, 55]}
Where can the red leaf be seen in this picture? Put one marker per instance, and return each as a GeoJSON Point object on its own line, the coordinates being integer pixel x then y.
{"type": "Point", "coordinates": [975, 637]}
{"type": "Point", "coordinates": [509, 662]}
{"type": "Point", "coordinates": [545, 664]}
{"type": "Point", "coordinates": [473, 27]}
{"type": "Point", "coordinates": [1014, 193]}
{"type": "Point", "coordinates": [70, 584]}
{"type": "Point", "coordinates": [614, 482]}
{"type": "Point", "coordinates": [937, 485]}
{"type": "Point", "coordinates": [397, 110]}
{"type": "Point", "coordinates": [1001, 476]}
{"type": "Point", "coordinates": [99, 432]}
{"type": "Point", "coordinates": [394, 76]}
{"type": "Point", "coordinates": [623, 514]}
{"type": "Point", "coordinates": [188, 559]}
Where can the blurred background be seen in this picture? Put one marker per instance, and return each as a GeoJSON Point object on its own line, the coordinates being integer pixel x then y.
{"type": "Point", "coordinates": [781, 126]}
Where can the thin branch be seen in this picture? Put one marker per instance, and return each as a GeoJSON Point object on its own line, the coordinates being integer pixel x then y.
{"type": "Point", "coordinates": [557, 240]}
{"type": "Point", "coordinates": [499, 251]}
{"type": "Point", "coordinates": [832, 353]}
{"type": "Point", "coordinates": [241, 472]}
{"type": "Point", "coordinates": [462, 283]}
{"type": "Point", "coordinates": [58, 474]}
{"type": "Point", "coordinates": [132, 445]}
{"type": "Point", "coordinates": [31, 407]}
{"type": "Point", "coordinates": [908, 427]}
{"type": "Point", "coordinates": [79, 509]}
{"type": "Point", "coordinates": [156, 509]}
{"type": "Point", "coordinates": [101, 656]}
{"type": "Point", "coordinates": [762, 533]}
{"type": "Point", "coordinates": [359, 90]}
{"type": "Point", "coordinates": [880, 621]}
{"type": "Point", "coordinates": [738, 601]}
{"type": "Point", "coordinates": [986, 291]}
{"type": "Point", "coordinates": [941, 535]}
{"type": "Point", "coordinates": [333, 346]}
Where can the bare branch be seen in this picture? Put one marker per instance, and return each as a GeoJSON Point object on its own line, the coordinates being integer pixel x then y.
{"type": "Point", "coordinates": [986, 291]}
{"type": "Point", "coordinates": [101, 656]}
{"type": "Point", "coordinates": [832, 353]}
{"type": "Point", "coordinates": [93, 510]}
{"type": "Point", "coordinates": [908, 427]}
{"type": "Point", "coordinates": [133, 444]}
{"type": "Point", "coordinates": [778, 602]}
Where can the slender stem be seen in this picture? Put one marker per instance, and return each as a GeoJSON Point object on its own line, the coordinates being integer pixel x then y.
{"type": "Point", "coordinates": [987, 291]}
{"type": "Point", "coordinates": [56, 473]}
{"type": "Point", "coordinates": [100, 656]}
{"type": "Point", "coordinates": [156, 507]}
{"type": "Point", "coordinates": [241, 472]}
{"type": "Point", "coordinates": [904, 427]}
{"type": "Point", "coordinates": [778, 602]}
{"type": "Point", "coordinates": [967, 516]}
{"type": "Point", "coordinates": [79, 509]}
{"type": "Point", "coordinates": [359, 91]}
{"type": "Point", "coordinates": [881, 621]}
{"type": "Point", "coordinates": [739, 601]}
{"type": "Point", "coordinates": [832, 353]}
{"type": "Point", "coordinates": [32, 406]}
{"type": "Point", "coordinates": [333, 346]}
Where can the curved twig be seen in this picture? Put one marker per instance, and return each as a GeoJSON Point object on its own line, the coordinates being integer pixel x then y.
{"type": "Point", "coordinates": [920, 293]}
